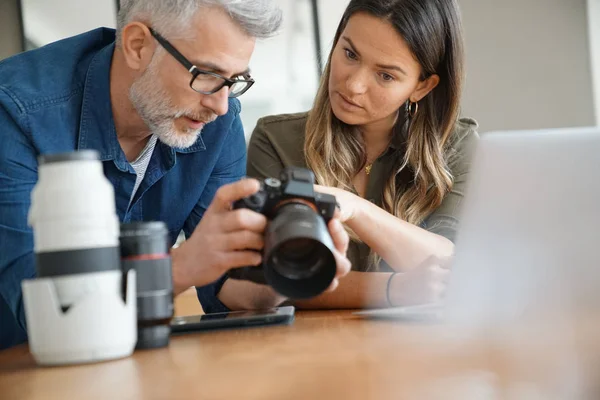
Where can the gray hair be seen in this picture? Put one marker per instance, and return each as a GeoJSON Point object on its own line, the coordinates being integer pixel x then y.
{"type": "Point", "coordinates": [258, 18]}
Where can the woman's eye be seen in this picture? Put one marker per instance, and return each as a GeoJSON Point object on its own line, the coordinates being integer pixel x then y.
{"type": "Point", "coordinates": [350, 54]}
{"type": "Point", "coordinates": [386, 77]}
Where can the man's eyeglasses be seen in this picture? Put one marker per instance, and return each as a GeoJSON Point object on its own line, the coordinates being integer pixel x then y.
{"type": "Point", "coordinates": [206, 82]}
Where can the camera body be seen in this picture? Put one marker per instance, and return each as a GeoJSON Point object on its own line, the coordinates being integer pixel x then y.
{"type": "Point", "coordinates": [294, 185]}
{"type": "Point", "coordinates": [298, 259]}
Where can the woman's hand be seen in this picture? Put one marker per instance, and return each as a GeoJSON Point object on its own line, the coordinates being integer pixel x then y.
{"type": "Point", "coordinates": [350, 204]}
{"type": "Point", "coordinates": [423, 284]}
{"type": "Point", "coordinates": [340, 241]}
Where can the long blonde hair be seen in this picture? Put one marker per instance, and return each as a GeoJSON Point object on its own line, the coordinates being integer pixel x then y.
{"type": "Point", "coordinates": [335, 152]}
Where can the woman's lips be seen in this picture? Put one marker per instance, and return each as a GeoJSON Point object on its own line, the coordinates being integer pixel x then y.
{"type": "Point", "coordinates": [347, 102]}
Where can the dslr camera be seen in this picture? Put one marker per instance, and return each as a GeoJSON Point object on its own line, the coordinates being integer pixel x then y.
{"type": "Point", "coordinates": [298, 260]}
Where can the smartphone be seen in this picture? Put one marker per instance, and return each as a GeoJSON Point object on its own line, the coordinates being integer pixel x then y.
{"type": "Point", "coordinates": [233, 319]}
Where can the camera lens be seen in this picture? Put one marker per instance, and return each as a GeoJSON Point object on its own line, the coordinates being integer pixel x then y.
{"type": "Point", "coordinates": [78, 266]}
{"type": "Point", "coordinates": [75, 226]}
{"type": "Point", "coordinates": [145, 247]}
{"type": "Point", "coordinates": [299, 261]}
{"type": "Point", "coordinates": [297, 258]}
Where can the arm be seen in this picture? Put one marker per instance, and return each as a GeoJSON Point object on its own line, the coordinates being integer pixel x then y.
{"type": "Point", "coordinates": [356, 290]}
{"type": "Point", "coordinates": [18, 175]}
{"type": "Point", "coordinates": [422, 284]}
{"type": "Point", "coordinates": [403, 245]}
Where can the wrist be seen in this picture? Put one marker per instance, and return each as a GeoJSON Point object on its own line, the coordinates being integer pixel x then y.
{"type": "Point", "coordinates": [358, 210]}
{"type": "Point", "coordinates": [180, 283]}
{"type": "Point", "coordinates": [246, 295]}
{"type": "Point", "coordinates": [389, 291]}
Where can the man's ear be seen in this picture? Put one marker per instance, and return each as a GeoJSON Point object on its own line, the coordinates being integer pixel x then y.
{"type": "Point", "coordinates": [424, 88]}
{"type": "Point", "coordinates": [137, 45]}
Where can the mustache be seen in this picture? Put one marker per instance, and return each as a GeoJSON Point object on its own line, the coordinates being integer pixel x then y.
{"type": "Point", "coordinates": [203, 116]}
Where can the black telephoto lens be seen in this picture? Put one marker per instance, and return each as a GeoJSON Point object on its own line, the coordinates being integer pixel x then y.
{"type": "Point", "coordinates": [145, 247]}
{"type": "Point", "coordinates": [299, 261]}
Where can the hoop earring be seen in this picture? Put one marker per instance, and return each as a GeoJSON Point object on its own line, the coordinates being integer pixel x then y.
{"type": "Point", "coordinates": [413, 108]}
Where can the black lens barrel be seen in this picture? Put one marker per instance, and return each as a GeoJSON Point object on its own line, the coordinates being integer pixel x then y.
{"type": "Point", "coordinates": [297, 224]}
{"type": "Point", "coordinates": [145, 248]}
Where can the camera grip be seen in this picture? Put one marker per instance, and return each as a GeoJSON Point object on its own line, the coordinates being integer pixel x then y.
{"type": "Point", "coordinates": [252, 274]}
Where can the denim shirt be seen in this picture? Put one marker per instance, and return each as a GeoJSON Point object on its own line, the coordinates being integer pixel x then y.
{"type": "Point", "coordinates": [57, 99]}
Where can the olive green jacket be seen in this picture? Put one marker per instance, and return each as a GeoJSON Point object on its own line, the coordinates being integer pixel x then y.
{"type": "Point", "coordinates": [278, 142]}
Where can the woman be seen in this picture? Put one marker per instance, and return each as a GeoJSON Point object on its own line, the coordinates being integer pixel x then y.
{"type": "Point", "coordinates": [384, 137]}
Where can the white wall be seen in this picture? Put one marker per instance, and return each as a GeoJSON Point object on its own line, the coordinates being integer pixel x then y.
{"type": "Point", "coordinates": [528, 64]}
{"type": "Point", "coordinates": [47, 21]}
{"type": "Point", "coordinates": [330, 16]}
{"type": "Point", "coordinates": [284, 68]}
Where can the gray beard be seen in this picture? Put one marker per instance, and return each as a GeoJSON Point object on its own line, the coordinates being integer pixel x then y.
{"type": "Point", "coordinates": [153, 105]}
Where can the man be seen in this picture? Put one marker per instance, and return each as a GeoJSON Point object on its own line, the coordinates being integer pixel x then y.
{"type": "Point", "coordinates": [158, 102]}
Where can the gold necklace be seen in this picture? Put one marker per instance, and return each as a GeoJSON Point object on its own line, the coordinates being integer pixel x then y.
{"type": "Point", "coordinates": [369, 165]}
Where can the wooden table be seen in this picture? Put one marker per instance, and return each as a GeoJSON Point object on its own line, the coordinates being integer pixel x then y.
{"type": "Point", "coordinates": [323, 355]}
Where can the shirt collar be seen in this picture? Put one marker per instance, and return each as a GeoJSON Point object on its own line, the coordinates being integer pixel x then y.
{"type": "Point", "coordinates": [97, 126]}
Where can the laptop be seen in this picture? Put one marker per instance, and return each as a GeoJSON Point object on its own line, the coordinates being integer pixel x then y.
{"type": "Point", "coordinates": [529, 235]}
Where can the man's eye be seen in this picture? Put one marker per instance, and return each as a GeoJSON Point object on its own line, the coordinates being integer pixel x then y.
{"type": "Point", "coordinates": [245, 77]}
{"type": "Point", "coordinates": [206, 78]}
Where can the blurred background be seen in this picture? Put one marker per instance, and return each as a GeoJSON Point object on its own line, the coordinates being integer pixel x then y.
{"type": "Point", "coordinates": [531, 63]}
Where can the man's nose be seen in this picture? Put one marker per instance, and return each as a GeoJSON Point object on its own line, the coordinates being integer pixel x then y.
{"type": "Point", "coordinates": [217, 102]}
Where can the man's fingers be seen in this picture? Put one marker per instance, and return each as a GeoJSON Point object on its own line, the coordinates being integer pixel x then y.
{"type": "Point", "coordinates": [339, 235]}
{"type": "Point", "coordinates": [244, 240]}
{"type": "Point", "coordinates": [243, 219]}
{"type": "Point", "coordinates": [227, 194]}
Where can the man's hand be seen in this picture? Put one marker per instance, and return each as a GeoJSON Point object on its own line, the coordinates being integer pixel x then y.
{"type": "Point", "coordinates": [223, 239]}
